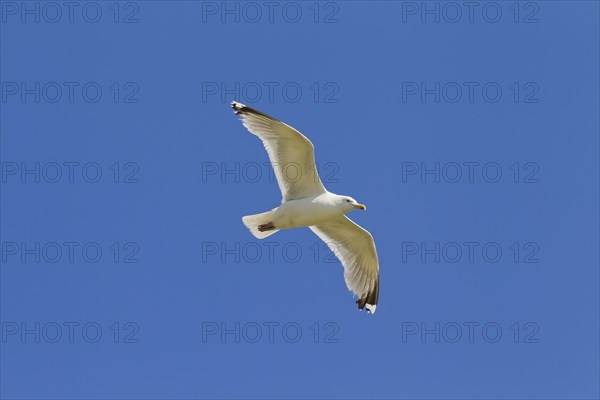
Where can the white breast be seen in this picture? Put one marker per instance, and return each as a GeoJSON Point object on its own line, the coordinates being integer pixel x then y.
{"type": "Point", "coordinates": [305, 212]}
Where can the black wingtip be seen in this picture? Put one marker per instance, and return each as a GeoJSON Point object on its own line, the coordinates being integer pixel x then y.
{"type": "Point", "coordinates": [241, 109]}
{"type": "Point", "coordinates": [370, 299]}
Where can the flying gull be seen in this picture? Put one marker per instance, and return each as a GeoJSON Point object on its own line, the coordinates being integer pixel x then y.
{"type": "Point", "coordinates": [306, 203]}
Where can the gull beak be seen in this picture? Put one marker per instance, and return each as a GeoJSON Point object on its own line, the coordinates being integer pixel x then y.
{"type": "Point", "coordinates": [361, 206]}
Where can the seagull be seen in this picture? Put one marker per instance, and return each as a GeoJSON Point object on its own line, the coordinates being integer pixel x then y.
{"type": "Point", "coordinates": [306, 203]}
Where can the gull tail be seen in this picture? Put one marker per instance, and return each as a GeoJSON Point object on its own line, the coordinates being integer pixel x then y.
{"type": "Point", "coordinates": [261, 225]}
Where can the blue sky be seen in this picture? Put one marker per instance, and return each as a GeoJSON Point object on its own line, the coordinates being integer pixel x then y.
{"type": "Point", "coordinates": [470, 132]}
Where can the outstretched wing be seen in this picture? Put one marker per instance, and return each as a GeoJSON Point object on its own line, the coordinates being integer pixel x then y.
{"type": "Point", "coordinates": [291, 153]}
{"type": "Point", "coordinates": [355, 248]}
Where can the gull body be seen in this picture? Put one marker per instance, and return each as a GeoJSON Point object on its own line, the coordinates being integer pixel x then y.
{"type": "Point", "coordinates": [310, 211]}
{"type": "Point", "coordinates": [306, 203]}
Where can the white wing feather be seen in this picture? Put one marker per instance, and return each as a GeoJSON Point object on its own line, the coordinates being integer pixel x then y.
{"type": "Point", "coordinates": [355, 248]}
{"type": "Point", "coordinates": [291, 153]}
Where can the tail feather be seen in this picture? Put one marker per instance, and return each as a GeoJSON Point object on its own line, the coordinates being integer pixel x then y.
{"type": "Point", "coordinates": [253, 221]}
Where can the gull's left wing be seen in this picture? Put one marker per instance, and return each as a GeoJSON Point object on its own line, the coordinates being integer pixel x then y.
{"type": "Point", "coordinates": [355, 248]}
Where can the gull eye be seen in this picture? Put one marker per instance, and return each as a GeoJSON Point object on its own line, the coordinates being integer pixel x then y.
{"type": "Point", "coordinates": [348, 201]}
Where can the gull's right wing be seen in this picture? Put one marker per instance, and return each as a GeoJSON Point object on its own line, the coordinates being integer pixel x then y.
{"type": "Point", "coordinates": [291, 153]}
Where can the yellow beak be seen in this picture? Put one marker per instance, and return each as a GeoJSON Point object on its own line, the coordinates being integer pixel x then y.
{"type": "Point", "coordinates": [361, 206]}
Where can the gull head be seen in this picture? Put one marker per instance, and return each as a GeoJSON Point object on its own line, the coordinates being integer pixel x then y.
{"type": "Point", "coordinates": [347, 204]}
